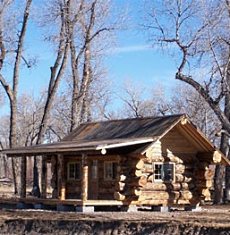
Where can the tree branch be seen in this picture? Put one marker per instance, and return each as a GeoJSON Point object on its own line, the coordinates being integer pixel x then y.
{"type": "Point", "coordinates": [7, 88]}
{"type": "Point", "coordinates": [20, 46]}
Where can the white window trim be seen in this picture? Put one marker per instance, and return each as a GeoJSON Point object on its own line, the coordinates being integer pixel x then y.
{"type": "Point", "coordinates": [160, 180]}
{"type": "Point", "coordinates": [68, 170]}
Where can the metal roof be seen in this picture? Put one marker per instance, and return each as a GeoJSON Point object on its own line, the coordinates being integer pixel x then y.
{"type": "Point", "coordinates": [106, 134]}
{"type": "Point", "coordinates": [123, 129]}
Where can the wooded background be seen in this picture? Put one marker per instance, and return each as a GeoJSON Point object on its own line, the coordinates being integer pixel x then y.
{"type": "Point", "coordinates": [195, 33]}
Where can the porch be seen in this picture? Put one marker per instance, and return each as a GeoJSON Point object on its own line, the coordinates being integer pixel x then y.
{"type": "Point", "coordinates": [65, 205]}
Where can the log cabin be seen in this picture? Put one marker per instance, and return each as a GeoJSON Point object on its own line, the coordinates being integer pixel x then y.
{"type": "Point", "coordinates": [153, 161]}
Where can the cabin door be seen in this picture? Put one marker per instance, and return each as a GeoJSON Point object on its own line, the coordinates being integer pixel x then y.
{"type": "Point", "coordinates": [93, 180]}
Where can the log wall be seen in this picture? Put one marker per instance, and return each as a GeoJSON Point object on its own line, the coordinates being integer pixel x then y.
{"type": "Point", "coordinates": [192, 179]}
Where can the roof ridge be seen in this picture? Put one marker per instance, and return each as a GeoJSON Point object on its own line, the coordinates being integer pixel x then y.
{"type": "Point", "coordinates": [136, 118]}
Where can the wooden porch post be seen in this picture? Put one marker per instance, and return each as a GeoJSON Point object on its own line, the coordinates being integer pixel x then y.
{"type": "Point", "coordinates": [23, 177]}
{"type": "Point", "coordinates": [61, 178]}
{"type": "Point", "coordinates": [54, 177]}
{"type": "Point", "coordinates": [44, 177]}
{"type": "Point", "coordinates": [84, 182]}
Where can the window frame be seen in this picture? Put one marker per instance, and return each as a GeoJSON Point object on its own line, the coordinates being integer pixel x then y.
{"type": "Point", "coordinates": [162, 179]}
{"type": "Point", "coordinates": [68, 171]}
{"type": "Point", "coordinates": [114, 177]}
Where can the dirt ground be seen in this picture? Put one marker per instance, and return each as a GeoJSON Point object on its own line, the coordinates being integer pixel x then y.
{"type": "Point", "coordinates": [210, 220]}
{"type": "Point", "coordinates": [208, 216]}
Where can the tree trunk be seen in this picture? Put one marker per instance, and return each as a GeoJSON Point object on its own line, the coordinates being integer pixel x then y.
{"type": "Point", "coordinates": [75, 77]}
{"type": "Point", "coordinates": [57, 72]}
{"type": "Point", "coordinates": [227, 113]}
{"type": "Point", "coordinates": [220, 173]}
{"type": "Point", "coordinates": [14, 92]}
{"type": "Point", "coordinates": [221, 170]}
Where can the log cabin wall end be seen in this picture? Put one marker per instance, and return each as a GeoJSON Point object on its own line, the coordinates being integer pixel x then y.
{"type": "Point", "coordinates": [170, 173]}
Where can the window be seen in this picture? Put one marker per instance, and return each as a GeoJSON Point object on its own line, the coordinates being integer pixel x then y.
{"type": "Point", "coordinates": [163, 172]}
{"type": "Point", "coordinates": [74, 171]}
{"type": "Point", "coordinates": [110, 170]}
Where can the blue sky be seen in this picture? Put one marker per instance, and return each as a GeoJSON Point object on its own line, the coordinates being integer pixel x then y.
{"type": "Point", "coordinates": [131, 59]}
{"type": "Point", "coordinates": [135, 59]}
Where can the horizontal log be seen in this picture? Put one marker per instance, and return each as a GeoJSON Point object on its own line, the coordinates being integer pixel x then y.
{"type": "Point", "coordinates": [122, 177]}
{"type": "Point", "coordinates": [167, 186]}
{"type": "Point", "coordinates": [150, 151]}
{"type": "Point", "coordinates": [118, 196]}
{"type": "Point", "coordinates": [136, 192]}
{"type": "Point", "coordinates": [148, 170]}
{"type": "Point", "coordinates": [119, 186]}
{"type": "Point", "coordinates": [128, 187]}
{"type": "Point", "coordinates": [154, 187]}
{"type": "Point", "coordinates": [148, 160]}
{"type": "Point", "coordinates": [179, 178]}
{"type": "Point", "coordinates": [122, 196]}
{"type": "Point", "coordinates": [183, 194]}
{"type": "Point", "coordinates": [132, 192]}
{"type": "Point", "coordinates": [160, 195]}
{"type": "Point", "coordinates": [175, 159]}
{"type": "Point", "coordinates": [157, 158]}
{"type": "Point", "coordinates": [160, 202]}
{"type": "Point", "coordinates": [150, 178]}
{"type": "Point", "coordinates": [140, 164]}
{"type": "Point", "coordinates": [206, 193]}
{"type": "Point", "coordinates": [187, 195]}
{"type": "Point", "coordinates": [138, 173]}
{"type": "Point", "coordinates": [182, 186]}
{"type": "Point", "coordinates": [142, 181]}
{"type": "Point", "coordinates": [138, 181]}
{"type": "Point", "coordinates": [181, 168]}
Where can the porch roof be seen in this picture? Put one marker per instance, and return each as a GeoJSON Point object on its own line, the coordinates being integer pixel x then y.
{"type": "Point", "coordinates": [76, 146]}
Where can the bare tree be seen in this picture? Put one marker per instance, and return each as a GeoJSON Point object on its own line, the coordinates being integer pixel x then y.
{"type": "Point", "coordinates": [61, 14]}
{"type": "Point", "coordinates": [200, 32]}
{"type": "Point", "coordinates": [12, 90]}
{"type": "Point", "coordinates": [95, 27]}
{"type": "Point", "coordinates": [140, 101]}
{"type": "Point", "coordinates": [184, 99]}
{"type": "Point", "coordinates": [30, 110]}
